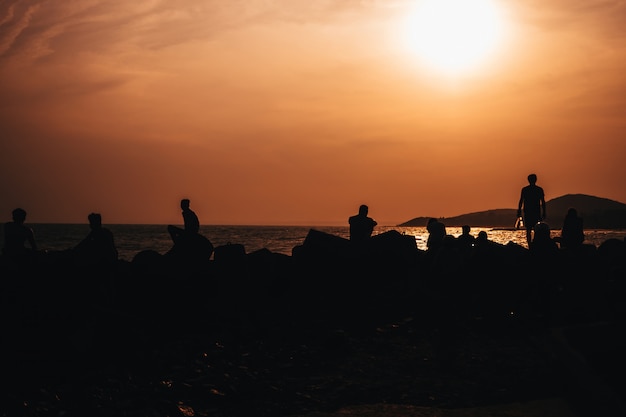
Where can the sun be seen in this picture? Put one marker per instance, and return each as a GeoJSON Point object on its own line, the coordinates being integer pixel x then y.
{"type": "Point", "coordinates": [454, 37]}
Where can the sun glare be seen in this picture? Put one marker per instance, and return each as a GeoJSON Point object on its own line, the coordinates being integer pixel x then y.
{"type": "Point", "coordinates": [454, 37]}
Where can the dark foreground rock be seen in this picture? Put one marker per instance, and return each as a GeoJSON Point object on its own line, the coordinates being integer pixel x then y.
{"type": "Point", "coordinates": [263, 334]}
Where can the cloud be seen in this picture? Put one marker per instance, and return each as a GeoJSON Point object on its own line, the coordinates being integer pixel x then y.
{"type": "Point", "coordinates": [12, 26]}
{"type": "Point", "coordinates": [36, 28]}
{"type": "Point", "coordinates": [604, 17]}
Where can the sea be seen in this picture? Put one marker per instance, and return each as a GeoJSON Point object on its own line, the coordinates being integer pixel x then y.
{"type": "Point", "coordinates": [131, 239]}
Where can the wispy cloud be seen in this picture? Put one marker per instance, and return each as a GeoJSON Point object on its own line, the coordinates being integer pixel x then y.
{"type": "Point", "coordinates": [601, 16]}
{"type": "Point", "coordinates": [12, 25]}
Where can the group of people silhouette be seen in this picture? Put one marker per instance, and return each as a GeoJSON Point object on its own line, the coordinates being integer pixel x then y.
{"type": "Point", "coordinates": [531, 209]}
{"type": "Point", "coordinates": [99, 245]}
{"type": "Point", "coordinates": [532, 204]}
{"type": "Point", "coordinates": [96, 249]}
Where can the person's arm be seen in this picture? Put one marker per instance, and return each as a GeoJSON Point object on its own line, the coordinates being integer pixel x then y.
{"type": "Point", "coordinates": [31, 239]}
{"type": "Point", "coordinates": [83, 244]}
{"type": "Point", "coordinates": [110, 240]}
{"type": "Point", "coordinates": [519, 205]}
{"type": "Point", "coordinates": [543, 207]}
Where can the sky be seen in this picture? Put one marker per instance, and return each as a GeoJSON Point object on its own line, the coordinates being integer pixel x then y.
{"type": "Point", "coordinates": [293, 112]}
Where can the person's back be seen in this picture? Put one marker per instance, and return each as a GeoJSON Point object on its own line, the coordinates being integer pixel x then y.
{"type": "Point", "coordinates": [190, 219]}
{"type": "Point", "coordinates": [436, 234]}
{"type": "Point", "coordinates": [361, 226]}
{"type": "Point", "coordinates": [465, 239]}
{"type": "Point", "coordinates": [99, 245]}
{"type": "Point", "coordinates": [189, 244]}
{"type": "Point", "coordinates": [542, 243]}
{"type": "Point", "coordinates": [533, 204]}
{"type": "Point", "coordinates": [191, 225]}
{"type": "Point", "coordinates": [572, 233]}
{"type": "Point", "coordinates": [17, 234]}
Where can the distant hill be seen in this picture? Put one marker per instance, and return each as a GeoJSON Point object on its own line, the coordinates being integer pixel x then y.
{"type": "Point", "coordinates": [597, 213]}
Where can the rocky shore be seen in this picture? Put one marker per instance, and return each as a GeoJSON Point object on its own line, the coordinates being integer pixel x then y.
{"type": "Point", "coordinates": [376, 331]}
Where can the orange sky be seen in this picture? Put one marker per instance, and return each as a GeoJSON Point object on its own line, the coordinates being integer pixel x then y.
{"type": "Point", "coordinates": [296, 112]}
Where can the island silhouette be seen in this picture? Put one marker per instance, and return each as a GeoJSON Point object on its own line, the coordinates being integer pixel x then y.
{"type": "Point", "coordinates": [598, 212]}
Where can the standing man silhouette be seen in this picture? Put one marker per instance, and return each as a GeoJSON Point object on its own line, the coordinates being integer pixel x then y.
{"type": "Point", "coordinates": [533, 203]}
{"type": "Point", "coordinates": [361, 226]}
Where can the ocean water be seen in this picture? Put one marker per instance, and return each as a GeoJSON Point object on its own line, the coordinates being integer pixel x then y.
{"type": "Point", "coordinates": [131, 239]}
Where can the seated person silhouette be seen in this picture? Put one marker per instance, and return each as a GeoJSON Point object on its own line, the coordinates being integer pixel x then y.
{"type": "Point", "coordinates": [465, 239]}
{"type": "Point", "coordinates": [361, 226]}
{"type": "Point", "coordinates": [98, 247]}
{"type": "Point", "coordinates": [436, 234]}
{"type": "Point", "coordinates": [188, 242]}
{"type": "Point", "coordinates": [191, 224]}
{"type": "Point", "coordinates": [17, 235]}
{"type": "Point", "coordinates": [572, 233]}
{"type": "Point", "coordinates": [482, 238]}
{"type": "Point", "coordinates": [542, 242]}
{"type": "Point", "coordinates": [485, 245]}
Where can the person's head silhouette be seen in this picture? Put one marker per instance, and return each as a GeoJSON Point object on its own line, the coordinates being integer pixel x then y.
{"type": "Point", "coordinates": [95, 220]}
{"type": "Point", "coordinates": [19, 215]}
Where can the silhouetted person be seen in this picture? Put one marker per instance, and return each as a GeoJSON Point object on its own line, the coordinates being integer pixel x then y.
{"type": "Point", "coordinates": [482, 238]}
{"type": "Point", "coordinates": [436, 234]}
{"type": "Point", "coordinates": [465, 239]}
{"type": "Point", "coordinates": [17, 235]}
{"type": "Point", "coordinates": [533, 204]}
{"type": "Point", "coordinates": [361, 226]}
{"type": "Point", "coordinates": [484, 244]}
{"type": "Point", "coordinates": [98, 247]}
{"type": "Point", "coordinates": [572, 232]}
{"type": "Point", "coordinates": [190, 221]}
{"type": "Point", "coordinates": [189, 245]}
{"type": "Point", "coordinates": [542, 242]}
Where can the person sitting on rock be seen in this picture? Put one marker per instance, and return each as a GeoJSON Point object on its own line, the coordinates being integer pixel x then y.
{"type": "Point", "coordinates": [436, 234]}
{"type": "Point", "coordinates": [17, 235]}
{"type": "Point", "coordinates": [189, 244]}
{"type": "Point", "coordinates": [542, 243]}
{"type": "Point", "coordinates": [190, 221]}
{"type": "Point", "coordinates": [572, 233]}
{"type": "Point", "coordinates": [466, 240]}
{"type": "Point", "coordinates": [361, 226]}
{"type": "Point", "coordinates": [98, 247]}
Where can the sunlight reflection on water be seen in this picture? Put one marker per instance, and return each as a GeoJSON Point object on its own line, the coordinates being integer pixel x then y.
{"type": "Point", "coordinates": [131, 239]}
